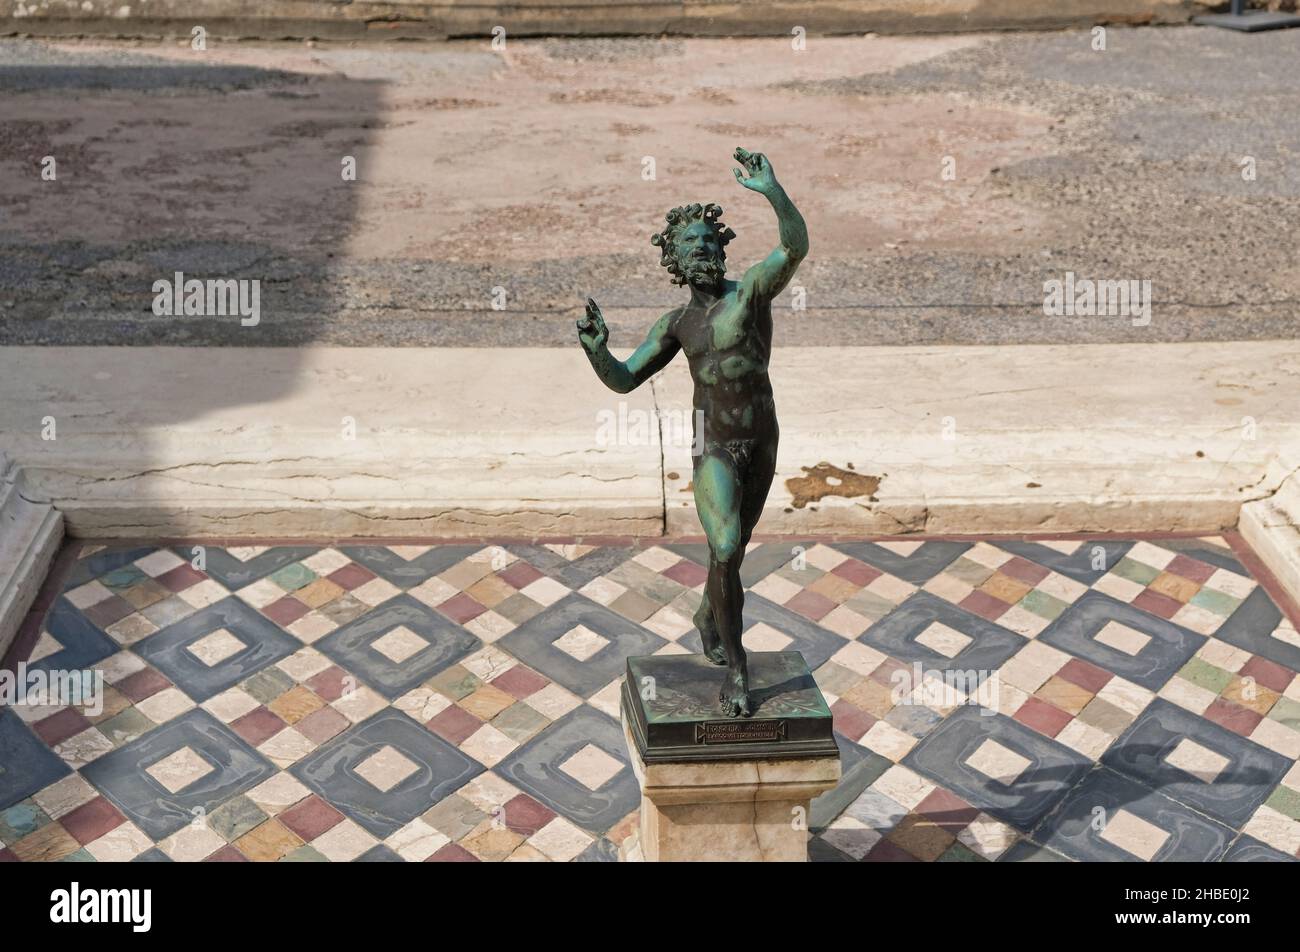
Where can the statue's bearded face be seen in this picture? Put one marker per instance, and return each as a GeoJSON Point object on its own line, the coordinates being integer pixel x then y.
{"type": "Point", "coordinates": [700, 255]}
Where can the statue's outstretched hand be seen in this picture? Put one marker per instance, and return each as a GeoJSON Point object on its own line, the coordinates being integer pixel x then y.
{"type": "Point", "coordinates": [592, 332]}
{"type": "Point", "coordinates": [758, 171]}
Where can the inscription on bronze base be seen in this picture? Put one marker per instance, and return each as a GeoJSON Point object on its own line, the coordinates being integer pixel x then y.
{"type": "Point", "coordinates": [670, 704]}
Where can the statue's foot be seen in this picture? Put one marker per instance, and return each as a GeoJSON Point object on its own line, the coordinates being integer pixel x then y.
{"type": "Point", "coordinates": [709, 636]}
{"type": "Point", "coordinates": [735, 694]}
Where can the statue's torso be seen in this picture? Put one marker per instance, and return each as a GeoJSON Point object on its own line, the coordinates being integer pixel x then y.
{"type": "Point", "coordinates": [728, 346]}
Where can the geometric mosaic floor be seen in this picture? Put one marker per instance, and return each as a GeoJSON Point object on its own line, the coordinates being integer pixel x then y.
{"type": "Point", "coordinates": [459, 702]}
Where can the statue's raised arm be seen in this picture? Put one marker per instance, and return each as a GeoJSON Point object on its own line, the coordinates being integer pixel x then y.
{"type": "Point", "coordinates": [767, 278]}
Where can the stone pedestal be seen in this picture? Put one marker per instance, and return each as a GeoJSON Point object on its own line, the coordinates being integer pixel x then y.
{"type": "Point", "coordinates": [716, 788]}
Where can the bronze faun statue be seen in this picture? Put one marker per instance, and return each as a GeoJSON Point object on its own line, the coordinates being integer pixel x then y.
{"type": "Point", "coordinates": [726, 331]}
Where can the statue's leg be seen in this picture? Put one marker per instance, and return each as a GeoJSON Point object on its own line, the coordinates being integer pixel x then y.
{"type": "Point", "coordinates": [754, 488]}
{"type": "Point", "coordinates": [717, 499]}
{"type": "Point", "coordinates": [708, 630]}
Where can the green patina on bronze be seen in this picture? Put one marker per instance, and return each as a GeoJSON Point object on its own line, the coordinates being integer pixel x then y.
{"type": "Point", "coordinates": [726, 331]}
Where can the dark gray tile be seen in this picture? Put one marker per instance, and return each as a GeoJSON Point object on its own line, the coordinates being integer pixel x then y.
{"type": "Point", "coordinates": [582, 570]}
{"type": "Point", "coordinates": [1076, 829]}
{"type": "Point", "coordinates": [351, 646]}
{"type": "Point", "coordinates": [379, 853]}
{"type": "Point", "coordinates": [1251, 774]}
{"type": "Point", "coordinates": [83, 642]}
{"type": "Point", "coordinates": [101, 563]}
{"type": "Point", "coordinates": [264, 644]}
{"type": "Point", "coordinates": [1025, 851]}
{"type": "Point", "coordinates": [1076, 628]}
{"type": "Point", "coordinates": [601, 851]}
{"type": "Point", "coordinates": [407, 573]}
{"type": "Point", "coordinates": [1093, 559]}
{"type": "Point", "coordinates": [154, 855]}
{"type": "Point", "coordinates": [26, 764]}
{"type": "Point", "coordinates": [533, 643]}
{"type": "Point", "coordinates": [330, 771]}
{"type": "Point", "coordinates": [1247, 849]}
{"type": "Point", "coordinates": [895, 634]}
{"type": "Point", "coordinates": [121, 775]}
{"type": "Point", "coordinates": [859, 769]}
{"type": "Point", "coordinates": [234, 573]}
{"type": "Point", "coordinates": [1052, 769]}
{"type": "Point", "coordinates": [918, 568]}
{"type": "Point", "coordinates": [536, 769]}
{"type": "Point", "coordinates": [1251, 627]}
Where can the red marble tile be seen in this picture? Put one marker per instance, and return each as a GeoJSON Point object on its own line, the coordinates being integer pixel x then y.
{"type": "Point", "coordinates": [850, 720]}
{"type": "Point", "coordinates": [57, 728]}
{"type": "Point", "coordinates": [321, 725]}
{"type": "Point", "coordinates": [227, 854]}
{"type": "Point", "coordinates": [144, 683]}
{"type": "Point", "coordinates": [331, 684]}
{"type": "Point", "coordinates": [1042, 717]}
{"type": "Point", "coordinates": [461, 608]}
{"type": "Point", "coordinates": [351, 576]}
{"type": "Point", "coordinates": [687, 573]}
{"type": "Point", "coordinates": [811, 605]}
{"type": "Point", "coordinates": [1031, 573]}
{"type": "Point", "coordinates": [519, 574]}
{"type": "Point", "coordinates": [454, 724]}
{"type": "Point", "coordinates": [310, 818]}
{"type": "Point", "coordinates": [285, 611]}
{"type": "Point", "coordinates": [453, 853]}
{"type": "Point", "coordinates": [1193, 569]}
{"type": "Point", "coordinates": [1238, 719]}
{"type": "Point", "coordinates": [109, 611]}
{"type": "Point", "coordinates": [257, 726]}
{"type": "Point", "coordinates": [1273, 676]}
{"type": "Point", "coordinates": [92, 820]}
{"type": "Point", "coordinates": [888, 852]}
{"type": "Point", "coordinates": [181, 578]}
{"type": "Point", "coordinates": [525, 815]}
{"type": "Point", "coordinates": [1085, 675]}
{"type": "Point", "coordinates": [520, 682]}
{"type": "Point", "coordinates": [984, 605]}
{"type": "Point", "coordinates": [947, 810]}
{"type": "Point", "coordinates": [859, 573]}
{"type": "Point", "coordinates": [1157, 604]}
{"type": "Point", "coordinates": [888, 668]}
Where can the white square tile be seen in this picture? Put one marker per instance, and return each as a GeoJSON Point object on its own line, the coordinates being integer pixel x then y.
{"type": "Point", "coordinates": [602, 590]}
{"type": "Point", "coordinates": [656, 558]}
{"type": "Point", "coordinates": [375, 592]}
{"type": "Point", "coordinates": [1121, 637]}
{"type": "Point", "coordinates": [940, 638]}
{"type": "Point", "coordinates": [92, 593]}
{"type": "Point", "coordinates": [1201, 762]}
{"type": "Point", "coordinates": [159, 562]}
{"type": "Point", "coordinates": [580, 642]}
{"type": "Point", "coordinates": [399, 644]}
{"type": "Point", "coordinates": [1134, 835]}
{"type": "Point", "coordinates": [763, 637]}
{"type": "Point", "coordinates": [545, 591]}
{"type": "Point", "coordinates": [997, 762]}
{"type": "Point", "coordinates": [326, 561]}
{"type": "Point", "coordinates": [179, 769]}
{"type": "Point", "coordinates": [386, 768]}
{"type": "Point", "coordinates": [591, 767]}
{"type": "Point", "coordinates": [216, 647]}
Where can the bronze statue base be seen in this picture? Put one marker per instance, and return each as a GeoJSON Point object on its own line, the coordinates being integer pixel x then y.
{"type": "Point", "coordinates": [670, 703]}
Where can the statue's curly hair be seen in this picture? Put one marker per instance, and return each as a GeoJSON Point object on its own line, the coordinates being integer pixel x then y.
{"type": "Point", "coordinates": [680, 218]}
